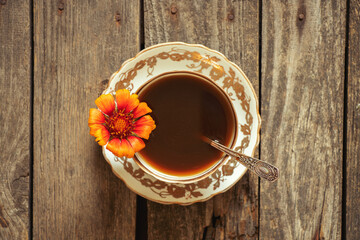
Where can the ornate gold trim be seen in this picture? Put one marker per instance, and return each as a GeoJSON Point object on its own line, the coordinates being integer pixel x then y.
{"type": "Point", "coordinates": [163, 202]}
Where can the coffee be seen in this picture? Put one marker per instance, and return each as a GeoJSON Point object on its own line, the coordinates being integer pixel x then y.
{"type": "Point", "coordinates": [186, 108]}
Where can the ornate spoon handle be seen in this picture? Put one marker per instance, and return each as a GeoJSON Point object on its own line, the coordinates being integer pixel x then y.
{"type": "Point", "coordinates": [261, 168]}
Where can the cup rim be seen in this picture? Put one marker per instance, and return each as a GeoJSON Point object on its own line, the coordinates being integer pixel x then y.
{"type": "Point", "coordinates": [202, 175]}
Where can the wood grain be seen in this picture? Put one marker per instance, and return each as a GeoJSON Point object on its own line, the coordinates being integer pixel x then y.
{"type": "Point", "coordinates": [78, 45]}
{"type": "Point", "coordinates": [303, 49]}
{"type": "Point", "coordinates": [232, 27]}
{"type": "Point", "coordinates": [353, 126]}
{"type": "Point", "coordinates": [15, 118]}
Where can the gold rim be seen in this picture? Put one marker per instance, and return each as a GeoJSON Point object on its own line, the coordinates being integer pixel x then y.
{"type": "Point", "coordinates": [257, 113]}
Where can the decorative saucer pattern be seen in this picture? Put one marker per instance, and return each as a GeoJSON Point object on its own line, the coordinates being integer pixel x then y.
{"type": "Point", "coordinates": [178, 56]}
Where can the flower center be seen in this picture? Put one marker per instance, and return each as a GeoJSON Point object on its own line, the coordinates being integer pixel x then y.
{"type": "Point", "coordinates": [120, 124]}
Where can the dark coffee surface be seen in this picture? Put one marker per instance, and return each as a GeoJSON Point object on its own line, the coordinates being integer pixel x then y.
{"type": "Point", "coordinates": [186, 108]}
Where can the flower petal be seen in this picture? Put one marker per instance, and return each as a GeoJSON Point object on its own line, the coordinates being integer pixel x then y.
{"type": "Point", "coordinates": [94, 127]}
{"type": "Point", "coordinates": [133, 103]}
{"type": "Point", "coordinates": [145, 120]}
{"type": "Point", "coordinates": [95, 117]}
{"type": "Point", "coordinates": [141, 110]}
{"type": "Point", "coordinates": [114, 146]}
{"type": "Point", "coordinates": [126, 101]}
{"type": "Point", "coordinates": [106, 104]}
{"type": "Point", "coordinates": [102, 135]}
{"type": "Point", "coordinates": [143, 131]}
{"type": "Point", "coordinates": [120, 148]}
{"type": "Point", "coordinates": [136, 143]}
{"type": "Point", "coordinates": [122, 98]}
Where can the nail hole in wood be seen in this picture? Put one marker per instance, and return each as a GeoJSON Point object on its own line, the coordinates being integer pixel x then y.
{"type": "Point", "coordinates": [231, 16]}
{"type": "Point", "coordinates": [61, 6]}
{"type": "Point", "coordinates": [117, 17]}
{"type": "Point", "coordinates": [301, 19]}
{"type": "Point", "coordinates": [301, 16]}
{"type": "Point", "coordinates": [173, 10]}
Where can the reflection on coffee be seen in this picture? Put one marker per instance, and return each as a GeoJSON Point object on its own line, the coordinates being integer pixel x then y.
{"type": "Point", "coordinates": [186, 107]}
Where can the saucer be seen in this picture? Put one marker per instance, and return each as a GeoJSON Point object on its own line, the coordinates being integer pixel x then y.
{"type": "Point", "coordinates": [178, 56]}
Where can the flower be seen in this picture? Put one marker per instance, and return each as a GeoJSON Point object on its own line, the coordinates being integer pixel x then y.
{"type": "Point", "coordinates": [120, 122]}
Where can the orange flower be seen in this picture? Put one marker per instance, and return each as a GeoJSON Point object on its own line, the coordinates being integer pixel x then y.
{"type": "Point", "coordinates": [120, 122]}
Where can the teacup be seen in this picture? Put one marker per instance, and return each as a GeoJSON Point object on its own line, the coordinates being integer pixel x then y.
{"type": "Point", "coordinates": [188, 109]}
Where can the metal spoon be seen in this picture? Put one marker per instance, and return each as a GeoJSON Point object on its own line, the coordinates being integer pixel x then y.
{"type": "Point", "coordinates": [261, 168]}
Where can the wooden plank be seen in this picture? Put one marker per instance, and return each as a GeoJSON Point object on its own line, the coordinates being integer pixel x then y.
{"type": "Point", "coordinates": [15, 117]}
{"type": "Point", "coordinates": [178, 222]}
{"type": "Point", "coordinates": [302, 90]}
{"type": "Point", "coordinates": [78, 45]}
{"type": "Point", "coordinates": [232, 28]}
{"type": "Point", "coordinates": [353, 126]}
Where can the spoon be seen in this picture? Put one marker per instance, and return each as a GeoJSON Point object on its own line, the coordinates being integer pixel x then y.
{"type": "Point", "coordinates": [262, 169]}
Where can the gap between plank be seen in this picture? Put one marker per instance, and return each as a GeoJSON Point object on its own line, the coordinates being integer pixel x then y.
{"type": "Point", "coordinates": [260, 49]}
{"type": "Point", "coordinates": [142, 25]}
{"type": "Point", "coordinates": [141, 228]}
{"type": "Point", "coordinates": [31, 117]}
{"type": "Point", "coordinates": [344, 165]}
{"type": "Point", "coordinates": [141, 218]}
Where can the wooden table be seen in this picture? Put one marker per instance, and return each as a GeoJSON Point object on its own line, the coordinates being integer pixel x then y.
{"type": "Point", "coordinates": [302, 57]}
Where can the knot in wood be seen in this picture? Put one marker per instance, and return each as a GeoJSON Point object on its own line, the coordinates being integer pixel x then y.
{"type": "Point", "coordinates": [2, 2]}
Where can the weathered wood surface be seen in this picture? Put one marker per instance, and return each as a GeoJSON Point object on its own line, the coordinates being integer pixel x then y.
{"type": "Point", "coordinates": [302, 90]}
{"type": "Point", "coordinates": [233, 29]}
{"type": "Point", "coordinates": [78, 45]}
{"type": "Point", "coordinates": [15, 118]}
{"type": "Point", "coordinates": [353, 126]}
